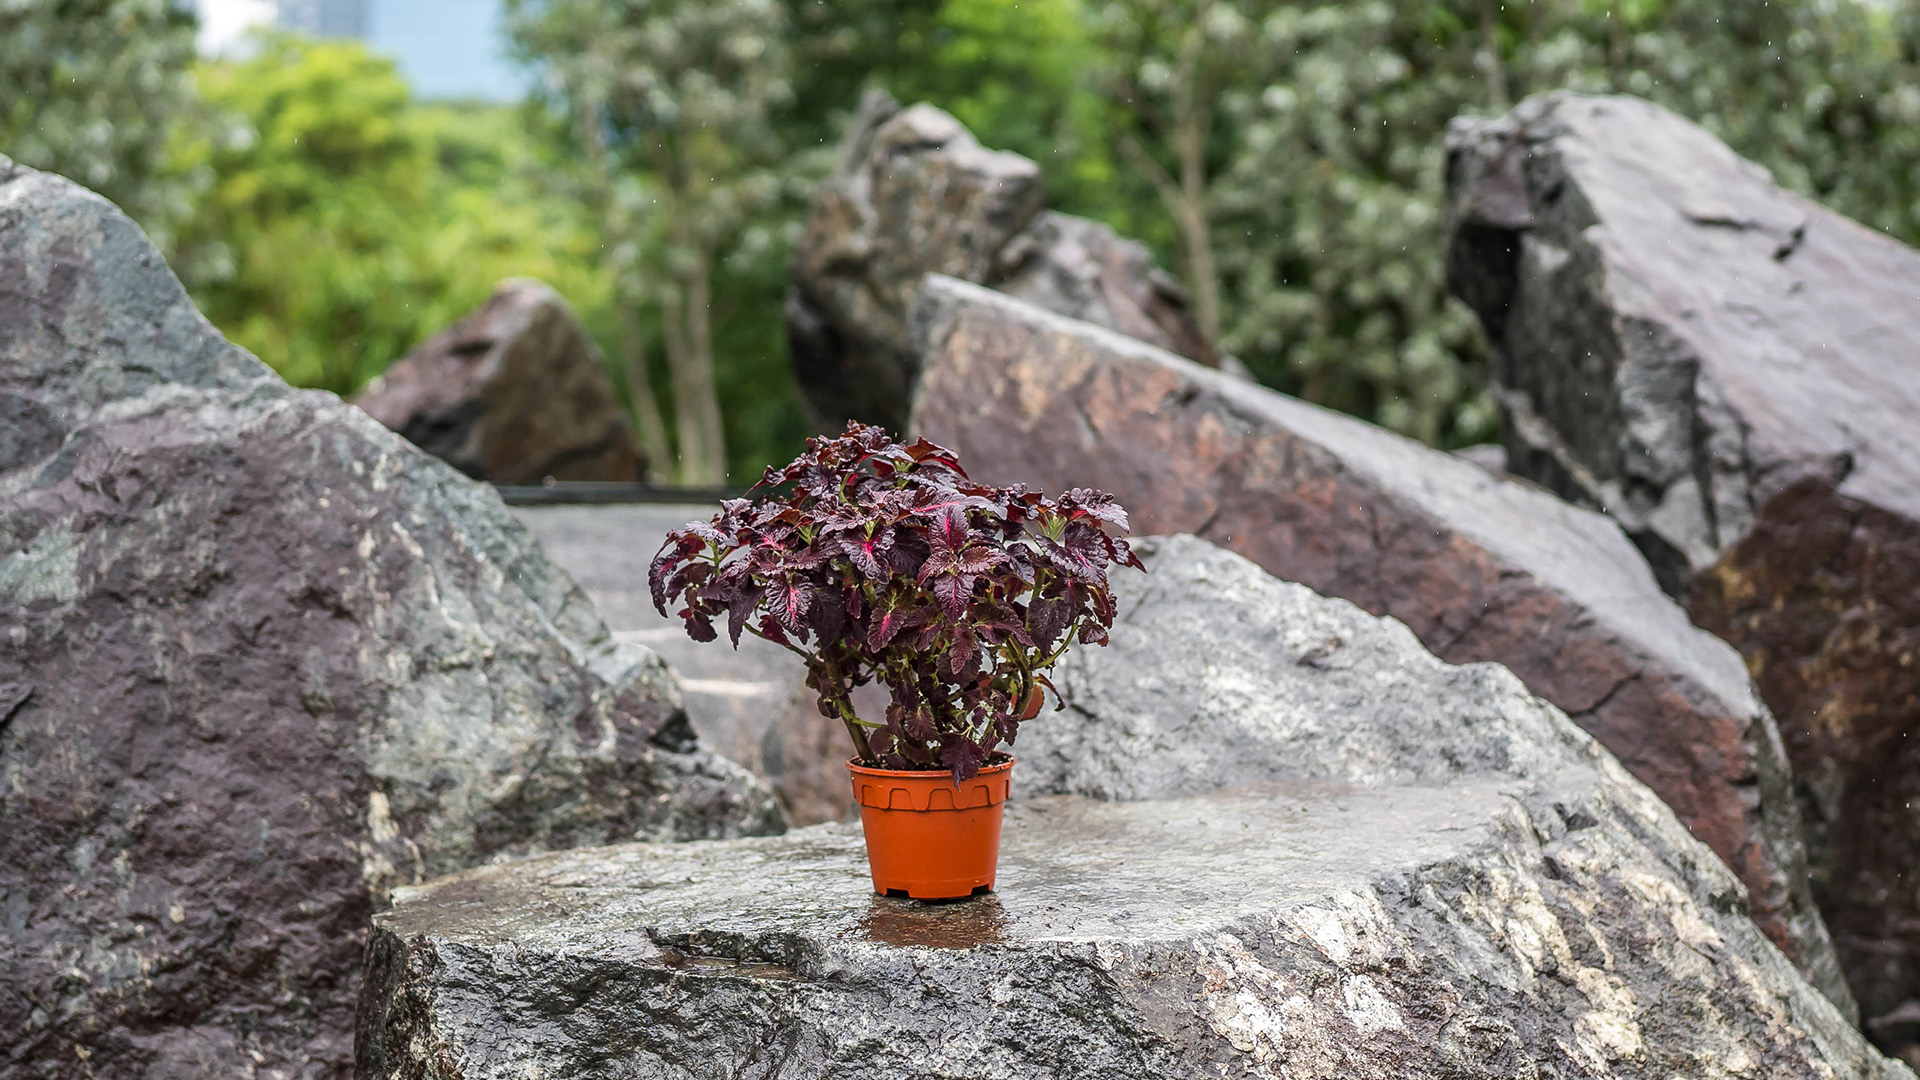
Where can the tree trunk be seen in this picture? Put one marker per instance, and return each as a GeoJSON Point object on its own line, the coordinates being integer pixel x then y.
{"type": "Point", "coordinates": [694, 390]}
{"type": "Point", "coordinates": [1187, 195]}
{"type": "Point", "coordinates": [1497, 96]}
{"type": "Point", "coordinates": [646, 408]}
{"type": "Point", "coordinates": [696, 404]}
{"type": "Point", "coordinates": [673, 330]}
{"type": "Point", "coordinates": [1196, 230]}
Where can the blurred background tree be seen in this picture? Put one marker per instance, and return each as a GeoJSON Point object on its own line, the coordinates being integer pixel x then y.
{"type": "Point", "coordinates": [345, 222]}
{"type": "Point", "coordinates": [90, 89]}
{"type": "Point", "coordinates": [1284, 156]}
{"type": "Point", "coordinates": [1328, 212]}
{"type": "Point", "coordinates": [1171, 65]}
{"type": "Point", "coordinates": [674, 103]}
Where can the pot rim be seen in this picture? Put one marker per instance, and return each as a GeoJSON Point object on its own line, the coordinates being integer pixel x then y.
{"type": "Point", "coordinates": [858, 769]}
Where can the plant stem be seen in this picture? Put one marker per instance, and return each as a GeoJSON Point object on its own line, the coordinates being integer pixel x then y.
{"type": "Point", "coordinates": [842, 706]}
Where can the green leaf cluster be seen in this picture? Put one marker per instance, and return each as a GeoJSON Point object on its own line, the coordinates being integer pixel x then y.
{"type": "Point", "coordinates": [343, 222]}
{"type": "Point", "coordinates": [672, 106]}
{"type": "Point", "coordinates": [90, 89]}
{"type": "Point", "coordinates": [1326, 160]}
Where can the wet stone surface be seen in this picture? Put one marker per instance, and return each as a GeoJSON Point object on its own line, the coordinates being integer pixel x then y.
{"type": "Point", "coordinates": [1071, 869]}
{"type": "Point", "coordinates": [1420, 870]}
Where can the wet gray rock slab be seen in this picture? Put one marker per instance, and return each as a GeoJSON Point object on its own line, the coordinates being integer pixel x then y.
{"type": "Point", "coordinates": [1728, 369]}
{"type": "Point", "coordinates": [749, 704]}
{"type": "Point", "coordinates": [1340, 857]}
{"type": "Point", "coordinates": [260, 661]}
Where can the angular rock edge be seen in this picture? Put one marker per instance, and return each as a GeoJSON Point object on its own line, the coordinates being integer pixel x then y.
{"type": "Point", "coordinates": [1481, 569]}
{"type": "Point", "coordinates": [1729, 370]}
{"type": "Point", "coordinates": [260, 660]}
{"type": "Point", "coordinates": [514, 392]}
{"type": "Point", "coordinates": [914, 192]}
{"type": "Point", "coordinates": [1448, 879]}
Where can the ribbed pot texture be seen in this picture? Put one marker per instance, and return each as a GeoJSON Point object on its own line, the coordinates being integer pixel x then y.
{"type": "Point", "coordinates": [927, 837]}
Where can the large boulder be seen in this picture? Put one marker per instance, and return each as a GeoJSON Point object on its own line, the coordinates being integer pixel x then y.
{"type": "Point", "coordinates": [514, 393]}
{"type": "Point", "coordinates": [1733, 373]}
{"type": "Point", "coordinates": [1480, 568]}
{"type": "Point", "coordinates": [748, 703]}
{"type": "Point", "coordinates": [1348, 860]}
{"type": "Point", "coordinates": [261, 660]}
{"type": "Point", "coordinates": [916, 193]}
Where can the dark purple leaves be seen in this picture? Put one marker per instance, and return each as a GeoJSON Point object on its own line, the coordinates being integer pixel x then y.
{"type": "Point", "coordinates": [964, 757]}
{"type": "Point", "coordinates": [868, 553]}
{"type": "Point", "coordinates": [952, 591]}
{"type": "Point", "coordinates": [1082, 552]}
{"type": "Point", "coordinates": [788, 599]}
{"type": "Point", "coordinates": [882, 562]}
{"type": "Point", "coordinates": [740, 608]}
{"type": "Point", "coordinates": [884, 626]}
{"type": "Point", "coordinates": [679, 547]}
{"type": "Point", "coordinates": [1097, 505]}
{"type": "Point", "coordinates": [1048, 616]}
{"type": "Point", "coordinates": [826, 616]}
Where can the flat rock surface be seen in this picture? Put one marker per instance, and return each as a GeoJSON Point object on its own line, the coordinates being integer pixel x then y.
{"type": "Point", "coordinates": [261, 660]}
{"type": "Point", "coordinates": [1062, 878]}
{"type": "Point", "coordinates": [1479, 567]}
{"type": "Point", "coordinates": [749, 704]}
{"type": "Point", "coordinates": [1414, 870]}
{"type": "Point", "coordinates": [1730, 370]}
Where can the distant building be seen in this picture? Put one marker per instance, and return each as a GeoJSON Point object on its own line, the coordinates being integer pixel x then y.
{"type": "Point", "coordinates": [226, 26]}
{"type": "Point", "coordinates": [445, 48]}
{"type": "Point", "coordinates": [323, 18]}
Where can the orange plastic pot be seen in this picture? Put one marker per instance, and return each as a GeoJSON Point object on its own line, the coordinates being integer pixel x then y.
{"type": "Point", "coordinates": [927, 837]}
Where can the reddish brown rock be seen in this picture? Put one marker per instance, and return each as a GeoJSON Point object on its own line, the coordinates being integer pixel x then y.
{"type": "Point", "coordinates": [1478, 567]}
{"type": "Point", "coordinates": [915, 193]}
{"type": "Point", "coordinates": [513, 393]}
{"type": "Point", "coordinates": [1733, 373]}
{"type": "Point", "coordinates": [261, 660]}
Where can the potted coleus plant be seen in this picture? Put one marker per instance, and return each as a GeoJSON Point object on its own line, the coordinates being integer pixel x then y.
{"type": "Point", "coordinates": [878, 562]}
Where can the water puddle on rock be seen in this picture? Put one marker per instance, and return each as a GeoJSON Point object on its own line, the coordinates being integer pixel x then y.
{"type": "Point", "coordinates": [934, 924]}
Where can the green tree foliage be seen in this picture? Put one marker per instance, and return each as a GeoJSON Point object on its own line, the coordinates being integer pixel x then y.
{"type": "Point", "coordinates": [1172, 64]}
{"type": "Point", "coordinates": [1295, 146]}
{"type": "Point", "coordinates": [675, 102]}
{"type": "Point", "coordinates": [1328, 214]}
{"type": "Point", "coordinates": [90, 88]}
{"type": "Point", "coordinates": [344, 222]}
{"type": "Point", "coordinates": [1016, 74]}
